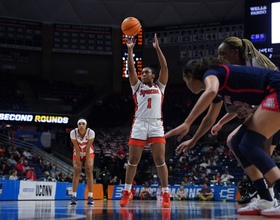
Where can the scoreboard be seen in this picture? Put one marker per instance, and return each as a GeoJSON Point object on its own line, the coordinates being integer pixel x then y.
{"type": "Point", "coordinates": [85, 39]}
{"type": "Point", "coordinates": [262, 26]}
{"type": "Point", "coordinates": [194, 40]}
{"type": "Point", "coordinates": [20, 34]}
{"type": "Point", "coordinates": [138, 55]}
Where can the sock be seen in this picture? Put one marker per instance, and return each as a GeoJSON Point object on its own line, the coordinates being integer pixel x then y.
{"type": "Point", "coordinates": [74, 194]}
{"type": "Point", "coordinates": [165, 189]}
{"type": "Point", "coordinates": [271, 191]}
{"type": "Point", "coordinates": [277, 185]}
{"type": "Point", "coordinates": [127, 187]}
{"type": "Point", "coordinates": [262, 189]}
{"type": "Point", "coordinates": [90, 194]}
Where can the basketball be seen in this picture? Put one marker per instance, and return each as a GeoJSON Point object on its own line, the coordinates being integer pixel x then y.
{"type": "Point", "coordinates": [131, 26]}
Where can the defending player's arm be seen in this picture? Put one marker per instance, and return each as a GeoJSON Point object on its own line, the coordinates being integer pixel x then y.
{"type": "Point", "coordinates": [212, 86]}
{"type": "Point", "coordinates": [211, 91]}
{"type": "Point", "coordinates": [208, 120]}
{"type": "Point", "coordinates": [132, 74]}
{"type": "Point", "coordinates": [205, 125]}
{"type": "Point", "coordinates": [225, 119]}
{"type": "Point", "coordinates": [163, 73]}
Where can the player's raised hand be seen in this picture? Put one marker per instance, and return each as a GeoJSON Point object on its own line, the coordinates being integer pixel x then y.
{"type": "Point", "coordinates": [155, 43]}
{"type": "Point", "coordinates": [130, 41]}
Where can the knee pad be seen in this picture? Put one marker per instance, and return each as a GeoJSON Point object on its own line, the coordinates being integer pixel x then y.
{"type": "Point", "coordinates": [276, 138]}
{"type": "Point", "coordinates": [251, 147]}
{"type": "Point", "coordinates": [132, 165]}
{"type": "Point", "coordinates": [160, 165]}
{"type": "Point", "coordinates": [235, 142]}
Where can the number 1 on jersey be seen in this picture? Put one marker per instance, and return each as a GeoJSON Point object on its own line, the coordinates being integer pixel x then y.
{"type": "Point", "coordinates": [149, 105]}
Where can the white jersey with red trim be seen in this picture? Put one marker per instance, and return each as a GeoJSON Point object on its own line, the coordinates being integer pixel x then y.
{"type": "Point", "coordinates": [82, 141]}
{"type": "Point", "coordinates": [148, 100]}
{"type": "Point", "coordinates": [252, 62]}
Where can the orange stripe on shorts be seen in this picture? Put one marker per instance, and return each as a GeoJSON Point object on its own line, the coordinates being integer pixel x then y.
{"type": "Point", "coordinates": [135, 142]}
{"type": "Point", "coordinates": [156, 140]}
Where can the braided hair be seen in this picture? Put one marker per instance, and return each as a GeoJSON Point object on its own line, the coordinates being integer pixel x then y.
{"type": "Point", "coordinates": [247, 50]}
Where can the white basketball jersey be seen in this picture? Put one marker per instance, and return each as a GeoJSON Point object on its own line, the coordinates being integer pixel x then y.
{"type": "Point", "coordinates": [148, 100]}
{"type": "Point", "coordinates": [82, 141]}
{"type": "Point", "coordinates": [252, 62]}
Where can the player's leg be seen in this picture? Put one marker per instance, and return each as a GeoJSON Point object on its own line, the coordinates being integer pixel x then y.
{"type": "Point", "coordinates": [251, 191]}
{"type": "Point", "coordinates": [138, 139]}
{"type": "Point", "coordinates": [262, 125]}
{"type": "Point", "coordinates": [135, 153]}
{"type": "Point", "coordinates": [134, 157]}
{"type": "Point", "coordinates": [89, 174]}
{"type": "Point", "coordinates": [75, 181]}
{"type": "Point", "coordinates": [269, 148]}
{"type": "Point", "coordinates": [158, 152]}
{"type": "Point", "coordinates": [157, 141]}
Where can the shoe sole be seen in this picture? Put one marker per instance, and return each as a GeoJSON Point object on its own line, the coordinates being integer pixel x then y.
{"type": "Point", "coordinates": [123, 205]}
{"type": "Point", "coordinates": [165, 205]}
{"type": "Point", "coordinates": [271, 215]}
{"type": "Point", "coordinates": [252, 212]}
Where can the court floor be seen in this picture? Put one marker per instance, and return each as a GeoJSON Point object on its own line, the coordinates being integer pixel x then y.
{"type": "Point", "coordinates": [110, 210]}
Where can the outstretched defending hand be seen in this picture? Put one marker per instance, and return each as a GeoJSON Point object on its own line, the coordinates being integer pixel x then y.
{"type": "Point", "coordinates": [181, 130]}
{"type": "Point", "coordinates": [244, 112]}
{"type": "Point", "coordinates": [185, 146]}
{"type": "Point", "coordinates": [216, 128]}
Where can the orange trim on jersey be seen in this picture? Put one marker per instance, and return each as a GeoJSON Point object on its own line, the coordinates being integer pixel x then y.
{"type": "Point", "coordinates": [136, 142]}
{"type": "Point", "coordinates": [156, 140]}
{"type": "Point", "coordinates": [135, 98]}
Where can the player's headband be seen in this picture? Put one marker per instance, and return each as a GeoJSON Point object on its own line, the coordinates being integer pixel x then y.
{"type": "Point", "coordinates": [81, 121]}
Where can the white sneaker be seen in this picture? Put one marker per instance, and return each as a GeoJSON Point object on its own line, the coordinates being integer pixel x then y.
{"type": "Point", "coordinates": [273, 212]}
{"type": "Point", "coordinates": [276, 203]}
{"type": "Point", "coordinates": [255, 207]}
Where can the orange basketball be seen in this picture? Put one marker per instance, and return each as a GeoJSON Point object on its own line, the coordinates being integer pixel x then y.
{"type": "Point", "coordinates": [131, 26]}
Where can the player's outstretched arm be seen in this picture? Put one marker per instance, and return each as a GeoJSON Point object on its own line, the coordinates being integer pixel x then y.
{"type": "Point", "coordinates": [163, 73]}
{"type": "Point", "coordinates": [225, 119]}
{"type": "Point", "coordinates": [130, 43]}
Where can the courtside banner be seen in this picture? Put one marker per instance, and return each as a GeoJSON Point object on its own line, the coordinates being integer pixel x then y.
{"type": "Point", "coordinates": [39, 139]}
{"type": "Point", "coordinates": [221, 193]}
{"type": "Point", "coordinates": [9, 189]}
{"type": "Point", "coordinates": [36, 190]}
{"type": "Point", "coordinates": [64, 191]}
